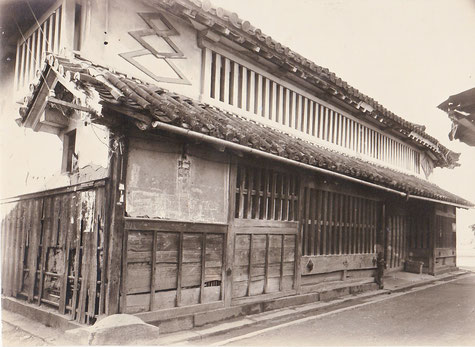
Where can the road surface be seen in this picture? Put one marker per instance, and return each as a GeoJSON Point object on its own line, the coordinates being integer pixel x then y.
{"type": "Point", "coordinates": [439, 315]}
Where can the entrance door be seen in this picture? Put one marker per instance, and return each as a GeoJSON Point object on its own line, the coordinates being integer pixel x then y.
{"type": "Point", "coordinates": [396, 241]}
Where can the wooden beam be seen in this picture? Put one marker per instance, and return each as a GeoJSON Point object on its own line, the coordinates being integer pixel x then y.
{"type": "Point", "coordinates": [116, 223]}
{"type": "Point", "coordinates": [53, 100]}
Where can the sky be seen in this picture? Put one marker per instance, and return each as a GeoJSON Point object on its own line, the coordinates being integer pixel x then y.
{"type": "Point", "coordinates": [409, 55]}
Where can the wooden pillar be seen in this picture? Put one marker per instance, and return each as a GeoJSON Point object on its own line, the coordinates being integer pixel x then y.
{"type": "Point", "coordinates": [382, 238]}
{"type": "Point", "coordinates": [116, 206]}
{"type": "Point", "coordinates": [432, 235]}
{"type": "Point", "coordinates": [228, 266]}
{"type": "Point", "coordinates": [302, 219]}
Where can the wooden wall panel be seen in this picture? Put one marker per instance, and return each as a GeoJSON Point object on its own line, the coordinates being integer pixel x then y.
{"type": "Point", "coordinates": [172, 264]}
{"type": "Point", "coordinates": [52, 239]}
{"type": "Point", "coordinates": [264, 257]}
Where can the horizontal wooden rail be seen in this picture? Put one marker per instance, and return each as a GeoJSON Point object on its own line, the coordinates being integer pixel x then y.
{"type": "Point", "coordinates": [56, 191]}
{"type": "Point", "coordinates": [142, 224]}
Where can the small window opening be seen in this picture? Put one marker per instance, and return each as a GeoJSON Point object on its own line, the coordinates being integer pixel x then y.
{"type": "Point", "coordinates": [69, 155]}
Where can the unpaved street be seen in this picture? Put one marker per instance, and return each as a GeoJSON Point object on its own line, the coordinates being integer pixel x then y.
{"type": "Point", "coordinates": [440, 315]}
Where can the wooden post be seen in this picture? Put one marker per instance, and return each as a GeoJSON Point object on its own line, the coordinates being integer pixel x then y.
{"type": "Point", "coordinates": [298, 243]}
{"type": "Point", "coordinates": [432, 236]}
{"type": "Point", "coordinates": [117, 171]}
{"type": "Point", "coordinates": [229, 256]}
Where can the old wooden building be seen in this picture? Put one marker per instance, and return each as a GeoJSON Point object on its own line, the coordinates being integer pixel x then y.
{"type": "Point", "coordinates": [208, 167]}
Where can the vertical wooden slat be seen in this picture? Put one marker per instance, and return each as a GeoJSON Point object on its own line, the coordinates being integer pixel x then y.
{"type": "Point", "coordinates": [347, 230]}
{"type": "Point", "coordinates": [257, 205]}
{"type": "Point", "coordinates": [6, 256]}
{"type": "Point", "coordinates": [341, 209]}
{"type": "Point", "coordinates": [246, 93]}
{"type": "Point", "coordinates": [226, 81]}
{"type": "Point", "coordinates": [85, 261]}
{"type": "Point", "coordinates": [353, 225]}
{"type": "Point", "coordinates": [304, 222]}
{"type": "Point", "coordinates": [78, 253]}
{"type": "Point", "coordinates": [265, 206]}
{"type": "Point", "coordinates": [242, 181]}
{"type": "Point", "coordinates": [22, 66]}
{"type": "Point", "coordinates": [324, 219]}
{"type": "Point", "coordinates": [45, 239]}
{"type": "Point", "coordinates": [282, 237]}
{"type": "Point", "coordinates": [273, 186]}
{"type": "Point", "coordinates": [206, 73]}
{"type": "Point", "coordinates": [371, 226]}
{"type": "Point", "coordinates": [39, 41]}
{"type": "Point", "coordinates": [313, 208]}
{"type": "Point", "coordinates": [298, 112]}
{"type": "Point", "coordinates": [180, 271]}
{"type": "Point", "coordinates": [28, 212]}
{"type": "Point", "coordinates": [280, 108]}
{"type": "Point", "coordinates": [16, 78]}
{"type": "Point", "coordinates": [298, 239]}
{"type": "Point", "coordinates": [331, 220]}
{"type": "Point", "coordinates": [266, 265]}
{"type": "Point", "coordinates": [248, 212]}
{"type": "Point", "coordinates": [153, 265]}
{"type": "Point", "coordinates": [31, 59]}
{"type": "Point", "coordinates": [235, 85]}
{"type": "Point", "coordinates": [249, 269]}
{"type": "Point", "coordinates": [65, 225]}
{"type": "Point", "coordinates": [228, 252]}
{"type": "Point", "coordinates": [217, 77]}
{"type": "Point", "coordinates": [318, 243]}
{"type": "Point", "coordinates": [364, 208]}
{"type": "Point", "coordinates": [203, 267]}
{"type": "Point", "coordinates": [266, 98]}
{"type": "Point", "coordinates": [251, 91]}
{"type": "Point", "coordinates": [14, 250]}
{"type": "Point", "coordinates": [51, 42]}
{"type": "Point", "coordinates": [20, 246]}
{"type": "Point", "coordinates": [45, 41]}
{"type": "Point", "coordinates": [258, 95]}
{"type": "Point", "coordinates": [274, 104]}
{"type": "Point", "coordinates": [94, 259]}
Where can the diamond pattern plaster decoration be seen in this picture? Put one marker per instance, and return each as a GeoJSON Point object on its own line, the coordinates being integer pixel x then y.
{"type": "Point", "coordinates": [158, 48]}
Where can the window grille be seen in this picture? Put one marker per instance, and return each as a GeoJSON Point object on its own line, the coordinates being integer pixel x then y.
{"type": "Point", "coordinates": [236, 85]}
{"type": "Point", "coordinates": [334, 223]}
{"type": "Point", "coordinates": [266, 194]}
{"type": "Point", "coordinates": [42, 38]}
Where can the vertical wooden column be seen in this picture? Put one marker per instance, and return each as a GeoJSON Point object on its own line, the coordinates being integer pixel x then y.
{"type": "Point", "coordinates": [229, 256]}
{"type": "Point", "coordinates": [117, 170]}
{"type": "Point", "coordinates": [432, 236]}
{"type": "Point", "coordinates": [302, 218]}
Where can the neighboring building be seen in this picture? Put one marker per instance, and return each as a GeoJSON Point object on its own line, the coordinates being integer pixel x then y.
{"type": "Point", "coordinates": [207, 167]}
{"type": "Point", "coordinates": [461, 111]}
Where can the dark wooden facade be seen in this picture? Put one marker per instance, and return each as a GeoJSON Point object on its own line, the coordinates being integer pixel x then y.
{"type": "Point", "coordinates": [286, 231]}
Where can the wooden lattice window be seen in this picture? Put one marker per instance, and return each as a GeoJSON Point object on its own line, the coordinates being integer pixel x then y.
{"type": "Point", "coordinates": [335, 223]}
{"type": "Point", "coordinates": [264, 99]}
{"type": "Point", "coordinates": [263, 193]}
{"type": "Point", "coordinates": [445, 228]}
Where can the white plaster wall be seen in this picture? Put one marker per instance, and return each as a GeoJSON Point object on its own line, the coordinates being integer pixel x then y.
{"type": "Point", "coordinates": [158, 188]}
{"type": "Point", "coordinates": [112, 24]}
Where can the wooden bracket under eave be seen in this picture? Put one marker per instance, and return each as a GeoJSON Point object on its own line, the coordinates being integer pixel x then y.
{"type": "Point", "coordinates": [38, 106]}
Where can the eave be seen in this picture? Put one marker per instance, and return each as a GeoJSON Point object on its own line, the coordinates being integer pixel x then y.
{"type": "Point", "coordinates": [220, 23]}
{"type": "Point", "coordinates": [150, 107]}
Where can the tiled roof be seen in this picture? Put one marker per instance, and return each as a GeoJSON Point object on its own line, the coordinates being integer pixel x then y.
{"type": "Point", "coordinates": [147, 103]}
{"type": "Point", "coordinates": [229, 25]}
